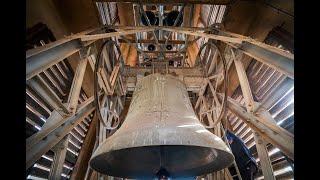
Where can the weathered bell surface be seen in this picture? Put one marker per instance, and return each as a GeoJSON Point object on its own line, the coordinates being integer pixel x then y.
{"type": "Point", "coordinates": [161, 136]}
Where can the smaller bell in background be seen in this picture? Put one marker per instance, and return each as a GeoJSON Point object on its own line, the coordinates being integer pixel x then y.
{"type": "Point", "coordinates": [152, 18]}
{"type": "Point", "coordinates": [171, 18]}
{"type": "Point", "coordinates": [169, 47]}
{"type": "Point", "coordinates": [151, 47]}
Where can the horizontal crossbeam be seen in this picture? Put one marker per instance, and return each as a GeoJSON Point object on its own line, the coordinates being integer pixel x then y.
{"type": "Point", "coordinates": [217, 2]}
{"type": "Point", "coordinates": [41, 147]}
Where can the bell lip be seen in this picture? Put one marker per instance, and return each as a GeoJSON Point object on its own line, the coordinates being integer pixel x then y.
{"type": "Point", "coordinates": [203, 169]}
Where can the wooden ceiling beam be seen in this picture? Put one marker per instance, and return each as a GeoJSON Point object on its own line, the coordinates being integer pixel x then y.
{"type": "Point", "coordinates": [149, 41]}
{"type": "Point", "coordinates": [216, 2]}
{"type": "Point", "coordinates": [57, 51]}
{"type": "Point", "coordinates": [43, 146]}
{"type": "Point", "coordinates": [166, 52]}
{"type": "Point", "coordinates": [274, 134]}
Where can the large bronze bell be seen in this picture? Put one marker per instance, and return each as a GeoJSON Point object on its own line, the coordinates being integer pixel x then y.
{"type": "Point", "coordinates": [161, 136]}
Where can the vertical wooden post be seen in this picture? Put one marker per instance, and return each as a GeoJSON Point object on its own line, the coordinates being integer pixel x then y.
{"type": "Point", "coordinates": [93, 176]}
{"type": "Point", "coordinates": [251, 107]}
{"type": "Point", "coordinates": [244, 83]}
{"type": "Point", "coordinates": [227, 175]}
{"type": "Point", "coordinates": [60, 151]}
{"type": "Point", "coordinates": [76, 85]}
{"type": "Point", "coordinates": [264, 157]}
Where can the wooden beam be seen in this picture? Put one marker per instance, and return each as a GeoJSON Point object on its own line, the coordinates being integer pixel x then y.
{"type": "Point", "coordinates": [47, 94]}
{"type": "Point", "coordinates": [216, 2]}
{"type": "Point", "coordinates": [192, 72]}
{"type": "Point", "coordinates": [76, 85]}
{"type": "Point", "coordinates": [54, 121]}
{"type": "Point", "coordinates": [41, 58]}
{"type": "Point", "coordinates": [265, 162]}
{"type": "Point", "coordinates": [92, 61]}
{"type": "Point", "coordinates": [209, 36]}
{"type": "Point", "coordinates": [50, 56]}
{"type": "Point", "coordinates": [114, 76]}
{"type": "Point", "coordinates": [114, 34]}
{"type": "Point", "coordinates": [192, 83]}
{"type": "Point", "coordinates": [274, 57]}
{"type": "Point", "coordinates": [272, 133]}
{"type": "Point", "coordinates": [251, 107]}
{"type": "Point", "coordinates": [149, 41]}
{"type": "Point", "coordinates": [79, 169]}
{"type": "Point", "coordinates": [283, 64]}
{"type": "Point", "coordinates": [192, 28]}
{"type": "Point", "coordinates": [36, 51]}
{"type": "Point", "coordinates": [60, 151]}
{"type": "Point", "coordinates": [166, 52]}
{"type": "Point", "coordinates": [212, 62]}
{"type": "Point", "coordinates": [44, 145]}
{"type": "Point", "coordinates": [244, 82]}
{"type": "Point", "coordinates": [106, 59]}
{"type": "Point", "coordinates": [105, 79]}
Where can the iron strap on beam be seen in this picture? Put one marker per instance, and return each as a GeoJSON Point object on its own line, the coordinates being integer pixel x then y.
{"type": "Point", "coordinates": [41, 147]}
